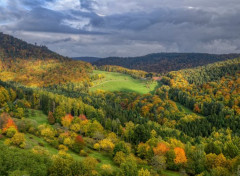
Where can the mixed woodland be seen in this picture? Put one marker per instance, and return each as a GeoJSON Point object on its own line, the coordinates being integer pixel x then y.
{"type": "Point", "coordinates": [51, 124]}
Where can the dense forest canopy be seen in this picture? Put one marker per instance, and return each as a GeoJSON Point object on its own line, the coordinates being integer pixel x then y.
{"type": "Point", "coordinates": [51, 124]}
{"type": "Point", "coordinates": [165, 62]}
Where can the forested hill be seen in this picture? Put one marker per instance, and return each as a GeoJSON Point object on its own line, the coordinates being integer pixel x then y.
{"type": "Point", "coordinates": [211, 72]}
{"type": "Point", "coordinates": [165, 62]}
{"type": "Point", "coordinates": [11, 47]}
{"type": "Point", "coordinates": [212, 91]}
{"type": "Point", "coordinates": [38, 66]}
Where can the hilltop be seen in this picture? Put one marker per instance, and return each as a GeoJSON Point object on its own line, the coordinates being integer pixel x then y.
{"type": "Point", "coordinates": [11, 47]}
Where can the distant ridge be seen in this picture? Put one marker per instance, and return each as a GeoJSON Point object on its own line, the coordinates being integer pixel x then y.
{"type": "Point", "coordinates": [165, 62]}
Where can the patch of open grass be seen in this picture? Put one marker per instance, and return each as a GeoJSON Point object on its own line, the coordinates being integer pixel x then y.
{"type": "Point", "coordinates": [103, 158]}
{"type": "Point", "coordinates": [38, 116]}
{"type": "Point", "coordinates": [114, 81]}
{"type": "Point", "coordinates": [34, 141]}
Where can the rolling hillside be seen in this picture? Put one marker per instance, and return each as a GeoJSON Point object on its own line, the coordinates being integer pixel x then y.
{"type": "Point", "coordinates": [66, 118]}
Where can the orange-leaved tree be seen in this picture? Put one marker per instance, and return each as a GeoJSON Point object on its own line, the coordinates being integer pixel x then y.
{"type": "Point", "coordinates": [180, 156]}
{"type": "Point", "coordinates": [67, 120]}
{"type": "Point", "coordinates": [10, 123]}
{"type": "Point", "coordinates": [161, 149]}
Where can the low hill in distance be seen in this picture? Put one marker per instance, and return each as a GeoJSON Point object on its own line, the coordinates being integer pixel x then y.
{"type": "Point", "coordinates": [165, 62]}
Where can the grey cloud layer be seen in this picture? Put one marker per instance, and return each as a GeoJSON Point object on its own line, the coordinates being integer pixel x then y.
{"type": "Point", "coordinates": [125, 28]}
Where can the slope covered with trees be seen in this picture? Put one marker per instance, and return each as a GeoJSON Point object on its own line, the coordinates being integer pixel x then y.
{"type": "Point", "coordinates": [165, 62]}
{"type": "Point", "coordinates": [188, 125]}
{"type": "Point", "coordinates": [37, 66]}
{"type": "Point", "coordinates": [212, 91]}
{"type": "Point", "coordinates": [42, 73]}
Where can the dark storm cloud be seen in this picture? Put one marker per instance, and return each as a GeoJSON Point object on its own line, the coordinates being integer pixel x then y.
{"type": "Point", "coordinates": [41, 19]}
{"type": "Point", "coordinates": [45, 20]}
{"type": "Point", "coordinates": [142, 20]}
{"type": "Point", "coordinates": [125, 28]}
{"type": "Point", "coordinates": [182, 29]}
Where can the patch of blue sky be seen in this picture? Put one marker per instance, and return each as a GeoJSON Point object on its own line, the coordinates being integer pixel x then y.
{"type": "Point", "coordinates": [3, 3]}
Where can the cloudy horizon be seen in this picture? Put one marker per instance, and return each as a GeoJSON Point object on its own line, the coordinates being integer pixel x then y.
{"type": "Point", "coordinates": [102, 28]}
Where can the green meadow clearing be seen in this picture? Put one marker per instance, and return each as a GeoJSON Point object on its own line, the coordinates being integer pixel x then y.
{"type": "Point", "coordinates": [114, 81]}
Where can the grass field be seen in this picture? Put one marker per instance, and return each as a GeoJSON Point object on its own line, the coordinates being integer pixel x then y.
{"type": "Point", "coordinates": [38, 116]}
{"type": "Point", "coordinates": [121, 82]}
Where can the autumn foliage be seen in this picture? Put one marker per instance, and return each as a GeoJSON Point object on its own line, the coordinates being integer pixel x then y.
{"type": "Point", "coordinates": [161, 149]}
{"type": "Point", "coordinates": [10, 124]}
{"type": "Point", "coordinates": [180, 156]}
{"type": "Point", "coordinates": [196, 108]}
{"type": "Point", "coordinates": [39, 66]}
{"type": "Point", "coordinates": [159, 130]}
{"type": "Point", "coordinates": [67, 120]}
{"type": "Point", "coordinates": [82, 117]}
{"type": "Point", "coordinates": [79, 140]}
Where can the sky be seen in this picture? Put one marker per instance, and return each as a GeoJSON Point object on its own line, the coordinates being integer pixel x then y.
{"type": "Point", "coordinates": [103, 28]}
